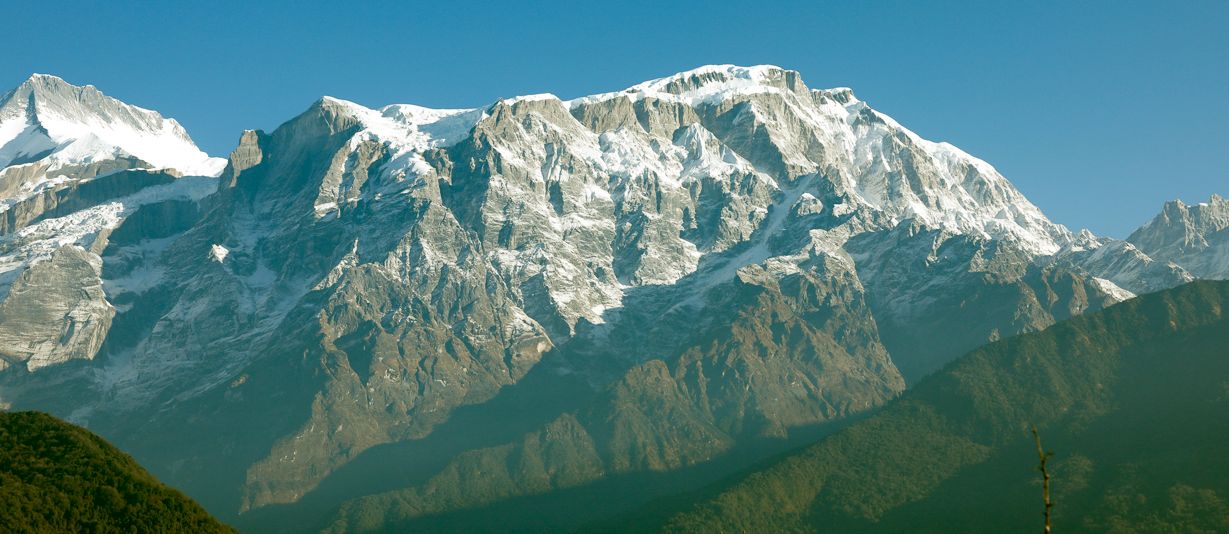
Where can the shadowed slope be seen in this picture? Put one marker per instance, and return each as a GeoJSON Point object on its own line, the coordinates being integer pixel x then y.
{"type": "Point", "coordinates": [1131, 400]}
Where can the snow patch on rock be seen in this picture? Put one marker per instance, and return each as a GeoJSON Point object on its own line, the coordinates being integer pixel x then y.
{"type": "Point", "coordinates": [218, 253]}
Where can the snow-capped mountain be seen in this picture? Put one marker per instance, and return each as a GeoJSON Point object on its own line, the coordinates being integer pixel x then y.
{"type": "Point", "coordinates": [73, 164]}
{"type": "Point", "coordinates": [48, 121]}
{"type": "Point", "coordinates": [631, 281]}
{"type": "Point", "coordinates": [1195, 237]}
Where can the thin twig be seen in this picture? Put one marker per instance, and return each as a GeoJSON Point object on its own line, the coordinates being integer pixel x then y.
{"type": "Point", "coordinates": [1043, 456]}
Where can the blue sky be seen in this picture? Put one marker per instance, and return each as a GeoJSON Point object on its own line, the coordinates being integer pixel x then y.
{"type": "Point", "coordinates": [1098, 111]}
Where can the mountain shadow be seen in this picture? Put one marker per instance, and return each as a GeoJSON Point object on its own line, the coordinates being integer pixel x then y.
{"type": "Point", "coordinates": [1131, 400]}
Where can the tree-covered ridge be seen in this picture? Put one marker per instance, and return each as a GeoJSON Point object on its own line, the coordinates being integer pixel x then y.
{"type": "Point", "coordinates": [1132, 400]}
{"type": "Point", "coordinates": [56, 477]}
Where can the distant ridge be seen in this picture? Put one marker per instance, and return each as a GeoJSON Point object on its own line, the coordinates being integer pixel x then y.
{"type": "Point", "coordinates": [1130, 399]}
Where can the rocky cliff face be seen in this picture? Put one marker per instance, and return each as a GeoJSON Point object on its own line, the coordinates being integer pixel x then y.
{"type": "Point", "coordinates": [1195, 237]}
{"type": "Point", "coordinates": [635, 281]}
{"type": "Point", "coordinates": [73, 164]}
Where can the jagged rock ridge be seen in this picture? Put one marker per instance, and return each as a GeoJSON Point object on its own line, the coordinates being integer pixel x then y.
{"type": "Point", "coordinates": [724, 245]}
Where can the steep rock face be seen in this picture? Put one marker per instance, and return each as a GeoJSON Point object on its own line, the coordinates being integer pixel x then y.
{"type": "Point", "coordinates": [795, 351]}
{"type": "Point", "coordinates": [55, 301]}
{"type": "Point", "coordinates": [1195, 237]}
{"type": "Point", "coordinates": [718, 256]}
{"type": "Point", "coordinates": [73, 164]}
{"type": "Point", "coordinates": [29, 206]}
{"type": "Point", "coordinates": [1121, 264]}
{"type": "Point", "coordinates": [78, 195]}
{"type": "Point", "coordinates": [316, 276]}
{"type": "Point", "coordinates": [989, 288]}
{"type": "Point", "coordinates": [55, 311]}
{"type": "Point", "coordinates": [54, 136]}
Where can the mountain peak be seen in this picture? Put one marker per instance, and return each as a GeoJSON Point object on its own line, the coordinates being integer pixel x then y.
{"type": "Point", "coordinates": [42, 76]}
{"type": "Point", "coordinates": [38, 81]}
{"type": "Point", "coordinates": [406, 126]}
{"type": "Point", "coordinates": [54, 92]}
{"type": "Point", "coordinates": [966, 193]}
{"type": "Point", "coordinates": [1191, 235]}
{"type": "Point", "coordinates": [48, 117]}
{"type": "Point", "coordinates": [723, 72]}
{"type": "Point", "coordinates": [327, 100]}
{"type": "Point", "coordinates": [1178, 210]}
{"type": "Point", "coordinates": [709, 83]}
{"type": "Point", "coordinates": [537, 97]}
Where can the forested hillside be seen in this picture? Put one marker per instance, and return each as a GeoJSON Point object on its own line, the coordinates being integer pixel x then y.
{"type": "Point", "coordinates": [1133, 402]}
{"type": "Point", "coordinates": [56, 477]}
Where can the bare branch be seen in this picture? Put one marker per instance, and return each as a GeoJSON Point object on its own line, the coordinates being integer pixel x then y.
{"type": "Point", "coordinates": [1044, 455]}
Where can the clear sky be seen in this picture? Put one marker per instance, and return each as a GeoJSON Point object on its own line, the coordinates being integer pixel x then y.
{"type": "Point", "coordinates": [1098, 111]}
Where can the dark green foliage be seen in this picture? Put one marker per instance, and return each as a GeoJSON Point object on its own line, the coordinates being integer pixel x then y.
{"type": "Point", "coordinates": [1131, 400]}
{"type": "Point", "coordinates": [56, 477]}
